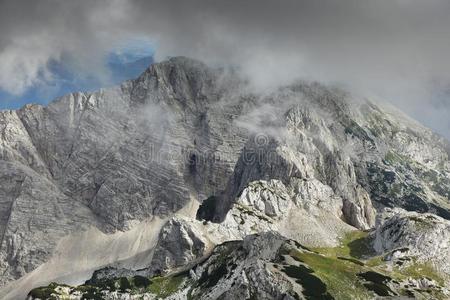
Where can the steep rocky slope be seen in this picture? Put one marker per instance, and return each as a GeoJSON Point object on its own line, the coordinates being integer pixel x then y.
{"type": "Point", "coordinates": [406, 256]}
{"type": "Point", "coordinates": [264, 266]}
{"type": "Point", "coordinates": [409, 235]}
{"type": "Point", "coordinates": [114, 157]}
{"type": "Point", "coordinates": [308, 161]}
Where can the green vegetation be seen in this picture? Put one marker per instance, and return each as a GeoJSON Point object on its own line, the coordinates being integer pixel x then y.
{"type": "Point", "coordinates": [141, 281]}
{"type": "Point", "coordinates": [434, 179]}
{"type": "Point", "coordinates": [124, 284]}
{"type": "Point", "coordinates": [354, 244]}
{"type": "Point", "coordinates": [49, 292]}
{"type": "Point", "coordinates": [421, 270]}
{"type": "Point", "coordinates": [92, 293]}
{"type": "Point", "coordinates": [375, 261]}
{"type": "Point", "coordinates": [396, 190]}
{"type": "Point", "coordinates": [45, 292]}
{"type": "Point", "coordinates": [355, 261]}
{"type": "Point", "coordinates": [408, 184]}
{"type": "Point", "coordinates": [393, 158]}
{"type": "Point", "coordinates": [431, 176]}
{"type": "Point", "coordinates": [313, 287]}
{"type": "Point", "coordinates": [165, 286]}
{"type": "Point", "coordinates": [438, 183]}
{"type": "Point", "coordinates": [349, 271]}
{"type": "Point", "coordinates": [376, 282]}
{"type": "Point", "coordinates": [352, 271]}
{"type": "Point", "coordinates": [340, 276]}
{"type": "Point", "coordinates": [162, 287]}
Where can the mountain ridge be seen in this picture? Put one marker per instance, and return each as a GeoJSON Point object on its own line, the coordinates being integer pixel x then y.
{"type": "Point", "coordinates": [184, 133]}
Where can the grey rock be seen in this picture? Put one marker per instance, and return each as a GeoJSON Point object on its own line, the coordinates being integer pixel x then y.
{"type": "Point", "coordinates": [424, 237]}
{"type": "Point", "coordinates": [34, 216]}
{"type": "Point", "coordinates": [185, 132]}
{"type": "Point", "coordinates": [262, 206]}
{"type": "Point", "coordinates": [111, 158]}
{"type": "Point", "coordinates": [244, 271]}
{"type": "Point", "coordinates": [179, 245]}
{"type": "Point", "coordinates": [270, 198]}
{"type": "Point", "coordinates": [348, 144]}
{"type": "Point", "coordinates": [265, 266]}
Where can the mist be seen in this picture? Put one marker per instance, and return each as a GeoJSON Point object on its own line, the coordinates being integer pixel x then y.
{"type": "Point", "coordinates": [394, 50]}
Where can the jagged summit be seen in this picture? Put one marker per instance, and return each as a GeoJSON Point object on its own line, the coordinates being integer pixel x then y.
{"type": "Point", "coordinates": [121, 172]}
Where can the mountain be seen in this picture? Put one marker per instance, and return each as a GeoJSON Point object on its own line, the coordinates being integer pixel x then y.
{"type": "Point", "coordinates": [124, 70]}
{"type": "Point", "coordinates": [185, 184]}
{"type": "Point", "coordinates": [65, 80]}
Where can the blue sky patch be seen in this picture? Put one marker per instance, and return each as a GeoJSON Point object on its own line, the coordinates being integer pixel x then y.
{"type": "Point", "coordinates": [126, 61]}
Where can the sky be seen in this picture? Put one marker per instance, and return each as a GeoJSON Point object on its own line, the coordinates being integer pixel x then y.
{"type": "Point", "coordinates": [120, 63]}
{"type": "Point", "coordinates": [396, 50]}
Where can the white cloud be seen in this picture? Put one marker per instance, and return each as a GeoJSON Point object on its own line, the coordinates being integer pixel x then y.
{"type": "Point", "coordinates": [23, 64]}
{"type": "Point", "coordinates": [395, 49]}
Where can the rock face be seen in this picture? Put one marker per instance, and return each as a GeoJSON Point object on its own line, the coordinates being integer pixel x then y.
{"type": "Point", "coordinates": [179, 244]}
{"type": "Point", "coordinates": [34, 216]}
{"type": "Point", "coordinates": [110, 158]}
{"type": "Point", "coordinates": [252, 259]}
{"type": "Point", "coordinates": [243, 269]}
{"type": "Point", "coordinates": [357, 149]}
{"type": "Point", "coordinates": [307, 161]}
{"type": "Point", "coordinates": [262, 206]}
{"type": "Point", "coordinates": [269, 198]}
{"type": "Point", "coordinates": [409, 235]}
{"type": "Point", "coordinates": [262, 266]}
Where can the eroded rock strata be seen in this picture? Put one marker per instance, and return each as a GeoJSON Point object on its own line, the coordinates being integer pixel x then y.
{"type": "Point", "coordinates": [307, 163]}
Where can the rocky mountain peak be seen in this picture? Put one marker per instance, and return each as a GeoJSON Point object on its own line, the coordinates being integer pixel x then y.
{"type": "Point", "coordinates": [123, 170]}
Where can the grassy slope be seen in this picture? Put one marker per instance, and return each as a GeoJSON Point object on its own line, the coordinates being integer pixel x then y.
{"type": "Point", "coordinates": [339, 268]}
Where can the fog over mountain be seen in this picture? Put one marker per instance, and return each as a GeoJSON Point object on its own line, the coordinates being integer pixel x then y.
{"type": "Point", "coordinates": [396, 50]}
{"type": "Point", "coordinates": [225, 150]}
{"type": "Point", "coordinates": [186, 183]}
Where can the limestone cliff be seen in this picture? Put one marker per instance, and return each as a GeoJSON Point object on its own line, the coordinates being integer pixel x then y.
{"type": "Point", "coordinates": [308, 161]}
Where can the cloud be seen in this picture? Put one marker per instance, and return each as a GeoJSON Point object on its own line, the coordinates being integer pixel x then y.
{"type": "Point", "coordinates": [393, 49]}
{"type": "Point", "coordinates": [16, 74]}
{"type": "Point", "coordinates": [35, 33]}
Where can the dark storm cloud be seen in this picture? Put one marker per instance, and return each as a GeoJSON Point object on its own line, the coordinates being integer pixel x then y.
{"type": "Point", "coordinates": [394, 49]}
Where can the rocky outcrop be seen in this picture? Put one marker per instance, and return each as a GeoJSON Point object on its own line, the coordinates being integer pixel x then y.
{"type": "Point", "coordinates": [34, 216]}
{"type": "Point", "coordinates": [262, 266]}
{"type": "Point", "coordinates": [262, 206]}
{"type": "Point", "coordinates": [359, 211]}
{"type": "Point", "coordinates": [179, 245]}
{"type": "Point", "coordinates": [235, 269]}
{"type": "Point", "coordinates": [409, 235]}
{"type": "Point", "coordinates": [243, 269]}
{"type": "Point", "coordinates": [269, 198]}
{"type": "Point", "coordinates": [309, 161]}
{"type": "Point", "coordinates": [111, 159]}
